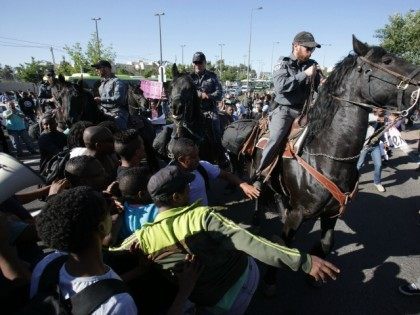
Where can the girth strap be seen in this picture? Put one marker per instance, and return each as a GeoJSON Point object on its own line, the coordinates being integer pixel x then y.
{"type": "Point", "coordinates": [342, 198]}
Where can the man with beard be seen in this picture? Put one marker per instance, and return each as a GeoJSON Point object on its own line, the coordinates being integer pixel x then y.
{"type": "Point", "coordinates": [292, 87]}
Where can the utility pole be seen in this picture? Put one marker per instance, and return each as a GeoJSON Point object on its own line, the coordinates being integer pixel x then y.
{"type": "Point", "coordinates": [52, 56]}
{"type": "Point", "coordinates": [182, 54]}
{"type": "Point", "coordinates": [272, 54]}
{"type": "Point", "coordinates": [96, 19]}
{"type": "Point", "coordinates": [249, 47]}
{"type": "Point", "coordinates": [221, 59]}
{"type": "Point", "coordinates": [160, 41]}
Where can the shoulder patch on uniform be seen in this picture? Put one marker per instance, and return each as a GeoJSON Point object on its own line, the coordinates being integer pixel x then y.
{"type": "Point", "coordinates": [281, 61]}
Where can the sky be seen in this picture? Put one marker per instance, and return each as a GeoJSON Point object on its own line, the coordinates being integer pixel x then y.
{"type": "Point", "coordinates": [132, 28]}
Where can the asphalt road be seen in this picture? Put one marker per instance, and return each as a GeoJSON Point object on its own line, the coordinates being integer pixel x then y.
{"type": "Point", "coordinates": [377, 247]}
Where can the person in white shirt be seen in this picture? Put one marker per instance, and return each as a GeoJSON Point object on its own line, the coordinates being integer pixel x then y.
{"type": "Point", "coordinates": [186, 156]}
{"type": "Point", "coordinates": [75, 222]}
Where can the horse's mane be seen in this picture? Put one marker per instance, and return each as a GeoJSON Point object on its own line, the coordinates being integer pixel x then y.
{"type": "Point", "coordinates": [322, 113]}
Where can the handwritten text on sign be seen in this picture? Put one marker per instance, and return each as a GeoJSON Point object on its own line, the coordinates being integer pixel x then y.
{"type": "Point", "coordinates": [395, 137]}
{"type": "Point", "coordinates": [152, 89]}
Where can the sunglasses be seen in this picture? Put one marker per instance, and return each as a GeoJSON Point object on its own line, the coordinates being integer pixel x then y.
{"type": "Point", "coordinates": [49, 75]}
{"type": "Point", "coordinates": [198, 62]}
{"type": "Point", "coordinates": [311, 49]}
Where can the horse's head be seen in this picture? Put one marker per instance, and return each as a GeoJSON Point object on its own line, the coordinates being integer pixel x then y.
{"type": "Point", "coordinates": [184, 100]}
{"type": "Point", "coordinates": [385, 80]}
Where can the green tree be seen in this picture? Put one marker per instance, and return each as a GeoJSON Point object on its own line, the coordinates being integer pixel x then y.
{"type": "Point", "coordinates": [83, 60]}
{"type": "Point", "coordinates": [104, 53]}
{"type": "Point", "coordinates": [401, 36]}
{"type": "Point", "coordinates": [65, 68]}
{"type": "Point", "coordinates": [80, 61]}
{"type": "Point", "coordinates": [6, 72]}
{"type": "Point", "coordinates": [32, 71]}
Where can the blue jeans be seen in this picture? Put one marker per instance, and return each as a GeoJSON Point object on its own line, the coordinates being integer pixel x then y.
{"type": "Point", "coordinates": [375, 153]}
{"type": "Point", "coordinates": [16, 136]}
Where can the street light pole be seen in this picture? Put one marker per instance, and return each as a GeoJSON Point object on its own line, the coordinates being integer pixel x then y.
{"type": "Point", "coordinates": [249, 47]}
{"type": "Point", "coordinates": [272, 54]}
{"type": "Point", "coordinates": [182, 55]}
{"type": "Point", "coordinates": [96, 19]}
{"type": "Point", "coordinates": [221, 59]}
{"type": "Point", "coordinates": [160, 41]}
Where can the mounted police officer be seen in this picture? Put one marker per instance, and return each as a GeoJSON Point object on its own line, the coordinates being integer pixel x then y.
{"type": "Point", "coordinates": [209, 92]}
{"type": "Point", "coordinates": [112, 94]}
{"type": "Point", "coordinates": [48, 91]}
{"type": "Point", "coordinates": [292, 86]}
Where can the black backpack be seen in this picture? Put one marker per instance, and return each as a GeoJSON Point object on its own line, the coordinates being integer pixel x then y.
{"type": "Point", "coordinates": [48, 299]}
{"type": "Point", "coordinates": [236, 134]}
{"type": "Point", "coordinates": [54, 168]}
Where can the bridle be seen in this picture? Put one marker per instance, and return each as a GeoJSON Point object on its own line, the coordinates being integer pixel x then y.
{"type": "Point", "coordinates": [402, 85]}
{"type": "Point", "coordinates": [181, 120]}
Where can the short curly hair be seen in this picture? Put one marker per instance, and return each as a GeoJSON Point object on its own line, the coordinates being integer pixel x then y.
{"type": "Point", "coordinates": [75, 136]}
{"type": "Point", "coordinates": [132, 181]}
{"type": "Point", "coordinates": [127, 142]}
{"type": "Point", "coordinates": [69, 220]}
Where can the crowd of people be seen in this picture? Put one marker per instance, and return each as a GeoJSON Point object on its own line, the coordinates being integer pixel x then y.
{"type": "Point", "coordinates": [112, 221]}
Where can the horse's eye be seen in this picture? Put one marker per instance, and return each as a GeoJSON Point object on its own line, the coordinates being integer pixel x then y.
{"type": "Point", "coordinates": [386, 60]}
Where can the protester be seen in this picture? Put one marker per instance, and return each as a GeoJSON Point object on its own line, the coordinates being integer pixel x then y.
{"type": "Point", "coordinates": [376, 121]}
{"type": "Point", "coordinates": [222, 247]}
{"type": "Point", "coordinates": [86, 170]}
{"type": "Point", "coordinates": [185, 155]}
{"type": "Point", "coordinates": [51, 141]}
{"type": "Point", "coordinates": [27, 106]}
{"type": "Point", "coordinates": [138, 206]}
{"type": "Point", "coordinates": [129, 147]}
{"type": "Point", "coordinates": [74, 223]}
{"type": "Point", "coordinates": [99, 143]}
{"type": "Point", "coordinates": [16, 128]}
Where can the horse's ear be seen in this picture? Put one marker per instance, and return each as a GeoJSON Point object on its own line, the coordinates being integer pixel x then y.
{"type": "Point", "coordinates": [360, 48]}
{"type": "Point", "coordinates": [175, 71]}
{"type": "Point", "coordinates": [61, 78]}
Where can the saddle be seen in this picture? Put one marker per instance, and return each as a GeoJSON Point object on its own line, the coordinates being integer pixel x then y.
{"type": "Point", "coordinates": [260, 135]}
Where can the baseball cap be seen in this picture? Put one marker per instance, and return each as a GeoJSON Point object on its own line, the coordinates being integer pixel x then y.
{"type": "Point", "coordinates": [306, 39]}
{"type": "Point", "coordinates": [102, 64]}
{"type": "Point", "coordinates": [168, 181]}
{"type": "Point", "coordinates": [199, 57]}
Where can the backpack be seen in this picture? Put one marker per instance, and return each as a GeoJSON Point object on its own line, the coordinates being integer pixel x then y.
{"type": "Point", "coordinates": [236, 134]}
{"type": "Point", "coordinates": [48, 299]}
{"type": "Point", "coordinates": [54, 168]}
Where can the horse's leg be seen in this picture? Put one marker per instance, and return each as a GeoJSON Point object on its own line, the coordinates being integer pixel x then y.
{"type": "Point", "coordinates": [324, 247]}
{"type": "Point", "coordinates": [292, 223]}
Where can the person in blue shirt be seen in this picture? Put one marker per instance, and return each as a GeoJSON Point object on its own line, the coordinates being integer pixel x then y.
{"type": "Point", "coordinates": [138, 206]}
{"type": "Point", "coordinates": [16, 128]}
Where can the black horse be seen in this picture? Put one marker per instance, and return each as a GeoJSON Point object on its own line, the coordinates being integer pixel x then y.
{"type": "Point", "coordinates": [369, 78]}
{"type": "Point", "coordinates": [137, 107]}
{"type": "Point", "coordinates": [189, 121]}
